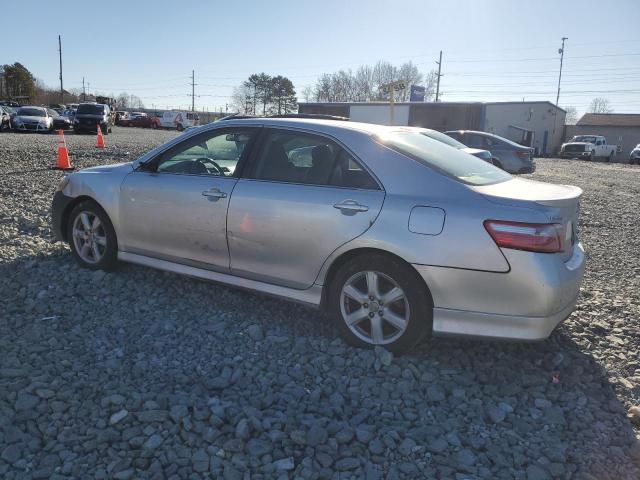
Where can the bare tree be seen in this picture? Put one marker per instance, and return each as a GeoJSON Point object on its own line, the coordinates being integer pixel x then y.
{"type": "Point", "coordinates": [307, 93]}
{"type": "Point", "coordinates": [410, 75]}
{"type": "Point", "coordinates": [242, 99]}
{"type": "Point", "coordinates": [600, 105]}
{"type": "Point", "coordinates": [365, 85]}
{"type": "Point", "coordinates": [571, 117]}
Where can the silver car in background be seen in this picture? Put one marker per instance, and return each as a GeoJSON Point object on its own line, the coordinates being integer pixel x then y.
{"type": "Point", "coordinates": [634, 156]}
{"type": "Point", "coordinates": [444, 138]}
{"type": "Point", "coordinates": [32, 119]}
{"type": "Point", "coordinates": [510, 156]}
{"type": "Point", "coordinates": [396, 234]}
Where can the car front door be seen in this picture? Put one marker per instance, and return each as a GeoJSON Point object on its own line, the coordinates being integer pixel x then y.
{"type": "Point", "coordinates": [302, 197]}
{"type": "Point", "coordinates": [174, 207]}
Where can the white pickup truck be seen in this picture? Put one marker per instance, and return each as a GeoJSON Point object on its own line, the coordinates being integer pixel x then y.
{"type": "Point", "coordinates": [588, 147]}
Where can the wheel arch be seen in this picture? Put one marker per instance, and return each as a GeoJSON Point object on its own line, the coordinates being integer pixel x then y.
{"type": "Point", "coordinates": [357, 252]}
{"type": "Point", "coordinates": [64, 220]}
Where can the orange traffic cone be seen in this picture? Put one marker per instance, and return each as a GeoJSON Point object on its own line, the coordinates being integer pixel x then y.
{"type": "Point", "coordinates": [99, 138]}
{"type": "Point", "coordinates": [63, 162]}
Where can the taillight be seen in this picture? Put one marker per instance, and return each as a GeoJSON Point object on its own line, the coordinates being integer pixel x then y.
{"type": "Point", "coordinates": [532, 237]}
{"type": "Point", "coordinates": [522, 154]}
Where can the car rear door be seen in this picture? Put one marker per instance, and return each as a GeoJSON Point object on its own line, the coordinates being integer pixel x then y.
{"type": "Point", "coordinates": [302, 197]}
{"type": "Point", "coordinates": [174, 207]}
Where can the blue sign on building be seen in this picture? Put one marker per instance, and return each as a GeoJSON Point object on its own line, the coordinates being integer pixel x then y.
{"type": "Point", "coordinates": [417, 93]}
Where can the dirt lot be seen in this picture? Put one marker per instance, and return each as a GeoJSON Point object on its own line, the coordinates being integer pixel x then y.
{"type": "Point", "coordinates": [143, 374]}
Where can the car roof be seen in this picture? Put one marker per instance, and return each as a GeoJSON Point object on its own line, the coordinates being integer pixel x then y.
{"type": "Point", "coordinates": [321, 124]}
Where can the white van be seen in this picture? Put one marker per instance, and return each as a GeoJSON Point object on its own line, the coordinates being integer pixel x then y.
{"type": "Point", "coordinates": [179, 120]}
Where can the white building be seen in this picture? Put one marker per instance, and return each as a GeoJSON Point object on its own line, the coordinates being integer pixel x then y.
{"type": "Point", "coordinates": [535, 124]}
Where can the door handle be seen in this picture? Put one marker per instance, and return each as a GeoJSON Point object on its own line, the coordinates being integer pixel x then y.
{"type": "Point", "coordinates": [214, 193]}
{"type": "Point", "coordinates": [351, 206]}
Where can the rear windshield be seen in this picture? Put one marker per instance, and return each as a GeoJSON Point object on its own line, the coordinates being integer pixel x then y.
{"type": "Point", "coordinates": [91, 109]}
{"type": "Point", "coordinates": [31, 112]}
{"type": "Point", "coordinates": [441, 137]}
{"type": "Point", "coordinates": [449, 161]}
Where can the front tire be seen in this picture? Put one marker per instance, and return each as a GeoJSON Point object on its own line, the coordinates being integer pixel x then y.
{"type": "Point", "coordinates": [378, 300]}
{"type": "Point", "coordinates": [91, 237]}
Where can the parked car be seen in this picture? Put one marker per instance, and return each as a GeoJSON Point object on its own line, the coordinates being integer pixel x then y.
{"type": "Point", "coordinates": [121, 118]}
{"type": "Point", "coordinates": [90, 115]}
{"type": "Point", "coordinates": [396, 234]}
{"type": "Point", "coordinates": [441, 137]}
{"type": "Point", "coordinates": [634, 156]}
{"type": "Point", "coordinates": [179, 120]}
{"type": "Point", "coordinates": [144, 121]}
{"type": "Point", "coordinates": [126, 120]}
{"type": "Point", "coordinates": [60, 122]}
{"type": "Point", "coordinates": [588, 147]}
{"type": "Point", "coordinates": [507, 155]}
{"type": "Point", "coordinates": [70, 113]}
{"type": "Point", "coordinates": [32, 119]}
{"type": "Point", "coordinates": [5, 119]}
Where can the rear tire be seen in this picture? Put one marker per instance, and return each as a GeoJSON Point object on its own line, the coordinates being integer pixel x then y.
{"type": "Point", "coordinates": [609, 158]}
{"type": "Point", "coordinates": [91, 237]}
{"type": "Point", "coordinates": [378, 300]}
{"type": "Point", "coordinates": [180, 127]}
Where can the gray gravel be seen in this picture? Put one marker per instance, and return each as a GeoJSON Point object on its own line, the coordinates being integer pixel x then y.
{"type": "Point", "coordinates": [143, 374]}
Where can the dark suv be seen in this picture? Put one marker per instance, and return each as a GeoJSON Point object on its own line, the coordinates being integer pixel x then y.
{"type": "Point", "coordinates": [89, 115]}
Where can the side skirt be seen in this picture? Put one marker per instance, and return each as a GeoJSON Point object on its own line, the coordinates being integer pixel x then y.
{"type": "Point", "coordinates": [310, 297]}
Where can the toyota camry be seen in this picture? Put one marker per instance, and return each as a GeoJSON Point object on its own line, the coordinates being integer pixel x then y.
{"type": "Point", "coordinates": [394, 233]}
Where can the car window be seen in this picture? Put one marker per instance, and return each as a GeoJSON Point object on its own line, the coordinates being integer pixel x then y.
{"type": "Point", "coordinates": [456, 136]}
{"type": "Point", "coordinates": [474, 141]}
{"type": "Point", "coordinates": [296, 157]}
{"type": "Point", "coordinates": [440, 157]}
{"type": "Point", "coordinates": [91, 109]}
{"type": "Point", "coordinates": [213, 153]}
{"type": "Point", "coordinates": [31, 112]}
{"type": "Point", "coordinates": [441, 137]}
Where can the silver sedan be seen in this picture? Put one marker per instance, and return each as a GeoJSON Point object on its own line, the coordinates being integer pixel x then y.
{"type": "Point", "coordinates": [396, 234]}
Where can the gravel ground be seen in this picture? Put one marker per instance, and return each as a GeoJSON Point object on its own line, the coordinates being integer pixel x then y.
{"type": "Point", "coordinates": [143, 374]}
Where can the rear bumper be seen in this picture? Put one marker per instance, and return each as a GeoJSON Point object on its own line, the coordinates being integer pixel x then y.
{"type": "Point", "coordinates": [58, 210]}
{"type": "Point", "coordinates": [526, 303]}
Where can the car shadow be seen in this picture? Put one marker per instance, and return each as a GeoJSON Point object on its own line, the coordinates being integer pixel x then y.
{"type": "Point", "coordinates": [513, 405]}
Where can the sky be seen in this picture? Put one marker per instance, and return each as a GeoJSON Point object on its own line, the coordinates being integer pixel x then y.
{"type": "Point", "coordinates": [494, 50]}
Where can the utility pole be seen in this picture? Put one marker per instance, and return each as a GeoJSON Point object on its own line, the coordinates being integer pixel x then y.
{"type": "Point", "coordinates": [193, 90]}
{"type": "Point", "coordinates": [561, 52]}
{"type": "Point", "coordinates": [439, 62]}
{"type": "Point", "coordinates": [84, 92]}
{"type": "Point", "coordinates": [60, 55]}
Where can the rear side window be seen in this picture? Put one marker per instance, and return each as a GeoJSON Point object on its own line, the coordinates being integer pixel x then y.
{"type": "Point", "coordinates": [295, 157]}
{"type": "Point", "coordinates": [443, 158]}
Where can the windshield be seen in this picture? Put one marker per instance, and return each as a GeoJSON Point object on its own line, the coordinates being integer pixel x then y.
{"type": "Point", "coordinates": [449, 161]}
{"type": "Point", "coordinates": [441, 137]}
{"type": "Point", "coordinates": [31, 112]}
{"type": "Point", "coordinates": [90, 109]}
{"type": "Point", "coordinates": [584, 138]}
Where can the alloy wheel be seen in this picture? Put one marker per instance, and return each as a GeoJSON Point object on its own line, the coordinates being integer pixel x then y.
{"type": "Point", "coordinates": [374, 307]}
{"type": "Point", "coordinates": [89, 237]}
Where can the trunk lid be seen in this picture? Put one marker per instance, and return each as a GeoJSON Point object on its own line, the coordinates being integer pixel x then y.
{"type": "Point", "coordinates": [560, 203]}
